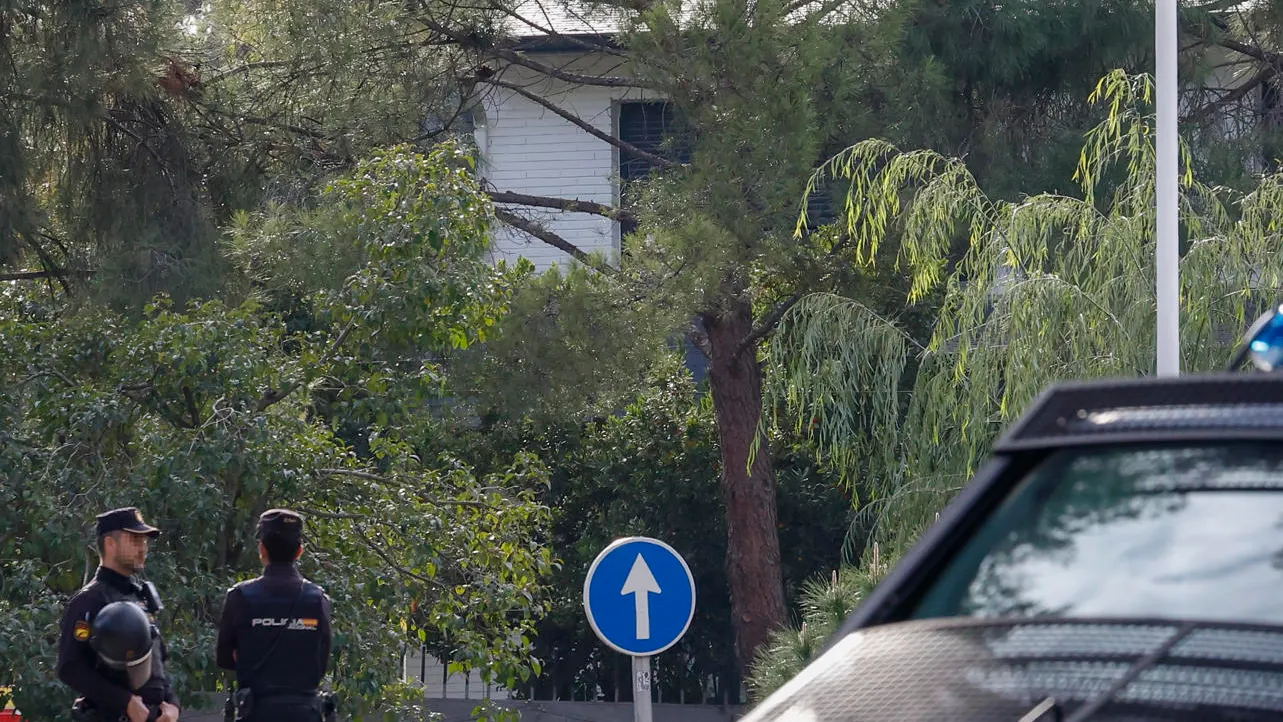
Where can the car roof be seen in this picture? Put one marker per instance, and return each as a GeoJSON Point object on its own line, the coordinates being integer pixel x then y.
{"type": "Point", "coordinates": [1222, 406]}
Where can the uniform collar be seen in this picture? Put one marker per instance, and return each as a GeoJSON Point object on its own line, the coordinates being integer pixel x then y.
{"type": "Point", "coordinates": [115, 579]}
{"type": "Point", "coordinates": [281, 571]}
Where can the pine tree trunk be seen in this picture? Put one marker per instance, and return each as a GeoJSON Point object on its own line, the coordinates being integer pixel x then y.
{"type": "Point", "coordinates": [753, 543]}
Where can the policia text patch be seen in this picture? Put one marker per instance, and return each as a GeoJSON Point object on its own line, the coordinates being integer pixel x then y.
{"type": "Point", "coordinates": [301, 625]}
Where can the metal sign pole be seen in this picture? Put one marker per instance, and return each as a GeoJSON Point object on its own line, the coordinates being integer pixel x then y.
{"type": "Point", "coordinates": [641, 689]}
{"type": "Point", "coordinates": [639, 596]}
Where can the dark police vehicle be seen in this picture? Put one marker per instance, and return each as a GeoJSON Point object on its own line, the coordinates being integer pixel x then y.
{"type": "Point", "coordinates": [1119, 558]}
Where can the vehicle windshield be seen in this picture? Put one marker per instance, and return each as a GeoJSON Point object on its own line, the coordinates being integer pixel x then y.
{"type": "Point", "coordinates": [1166, 532]}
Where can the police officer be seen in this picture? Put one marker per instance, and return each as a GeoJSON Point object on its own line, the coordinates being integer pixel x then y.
{"type": "Point", "coordinates": [108, 691]}
{"type": "Point", "coordinates": [275, 631]}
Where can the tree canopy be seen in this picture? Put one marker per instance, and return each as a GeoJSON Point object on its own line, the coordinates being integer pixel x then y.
{"type": "Point", "coordinates": [1052, 287]}
{"type": "Point", "coordinates": [207, 415]}
{"type": "Point", "coordinates": [244, 261]}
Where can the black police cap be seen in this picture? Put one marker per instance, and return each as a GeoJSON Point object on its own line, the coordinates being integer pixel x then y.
{"type": "Point", "coordinates": [280, 523]}
{"type": "Point", "coordinates": [126, 519]}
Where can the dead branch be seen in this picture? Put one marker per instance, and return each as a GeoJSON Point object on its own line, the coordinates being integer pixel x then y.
{"type": "Point", "coordinates": [353, 473]}
{"type": "Point", "coordinates": [47, 372]}
{"type": "Point", "coordinates": [563, 204]}
{"type": "Point", "coordinates": [1231, 97]}
{"type": "Point", "coordinates": [57, 273]}
{"type": "Point", "coordinates": [579, 122]}
{"type": "Point", "coordinates": [533, 229]}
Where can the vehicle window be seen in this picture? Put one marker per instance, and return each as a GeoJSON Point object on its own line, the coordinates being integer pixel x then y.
{"type": "Point", "coordinates": [1159, 531]}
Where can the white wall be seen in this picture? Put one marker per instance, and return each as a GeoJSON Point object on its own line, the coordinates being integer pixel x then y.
{"type": "Point", "coordinates": [526, 148]}
{"type": "Point", "coordinates": [431, 675]}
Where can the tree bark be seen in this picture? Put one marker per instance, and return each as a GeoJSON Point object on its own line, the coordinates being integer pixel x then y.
{"type": "Point", "coordinates": [753, 544]}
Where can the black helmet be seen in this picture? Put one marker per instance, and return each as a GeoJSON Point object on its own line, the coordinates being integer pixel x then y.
{"type": "Point", "coordinates": [122, 637]}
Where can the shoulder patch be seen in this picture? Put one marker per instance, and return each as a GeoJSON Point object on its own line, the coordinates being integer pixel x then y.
{"type": "Point", "coordinates": [81, 631]}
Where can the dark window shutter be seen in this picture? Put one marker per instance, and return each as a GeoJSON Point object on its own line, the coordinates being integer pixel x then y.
{"type": "Point", "coordinates": [650, 126]}
{"type": "Point", "coordinates": [821, 208]}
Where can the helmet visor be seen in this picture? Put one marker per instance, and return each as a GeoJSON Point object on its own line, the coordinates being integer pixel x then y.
{"type": "Point", "coordinates": [137, 671]}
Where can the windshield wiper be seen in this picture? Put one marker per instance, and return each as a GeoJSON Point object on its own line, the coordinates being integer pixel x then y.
{"type": "Point", "coordinates": [1144, 663]}
{"type": "Point", "coordinates": [1042, 709]}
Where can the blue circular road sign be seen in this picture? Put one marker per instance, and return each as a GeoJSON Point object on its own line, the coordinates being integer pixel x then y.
{"type": "Point", "coordinates": [640, 596]}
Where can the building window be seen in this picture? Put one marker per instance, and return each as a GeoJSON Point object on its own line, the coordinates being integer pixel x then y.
{"type": "Point", "coordinates": [653, 126]}
{"type": "Point", "coordinates": [650, 125]}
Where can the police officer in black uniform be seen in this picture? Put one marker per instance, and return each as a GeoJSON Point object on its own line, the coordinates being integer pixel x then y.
{"type": "Point", "coordinates": [108, 693]}
{"type": "Point", "coordinates": [275, 632]}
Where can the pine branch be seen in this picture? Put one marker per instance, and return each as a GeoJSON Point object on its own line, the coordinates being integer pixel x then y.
{"type": "Point", "coordinates": [297, 130]}
{"type": "Point", "coordinates": [768, 324]}
{"type": "Point", "coordinates": [827, 9]}
{"type": "Point", "coordinates": [472, 41]}
{"type": "Point", "coordinates": [1265, 56]}
{"type": "Point", "coordinates": [446, 126]}
{"type": "Point", "coordinates": [531, 228]}
{"type": "Point", "coordinates": [247, 67]}
{"type": "Point", "coordinates": [563, 204]}
{"type": "Point", "coordinates": [579, 122]}
{"type": "Point", "coordinates": [605, 81]}
{"type": "Point", "coordinates": [57, 273]}
{"type": "Point", "coordinates": [264, 122]}
{"type": "Point", "coordinates": [142, 143]}
{"type": "Point", "coordinates": [1231, 97]}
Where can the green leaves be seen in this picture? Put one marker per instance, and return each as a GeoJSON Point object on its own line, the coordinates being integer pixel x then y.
{"type": "Point", "coordinates": [204, 416]}
{"type": "Point", "coordinates": [572, 342]}
{"type": "Point", "coordinates": [652, 468]}
{"type": "Point", "coordinates": [445, 554]}
{"type": "Point", "coordinates": [1050, 287]}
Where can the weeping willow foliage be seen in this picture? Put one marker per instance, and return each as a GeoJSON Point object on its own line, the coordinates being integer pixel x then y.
{"type": "Point", "coordinates": [1050, 288]}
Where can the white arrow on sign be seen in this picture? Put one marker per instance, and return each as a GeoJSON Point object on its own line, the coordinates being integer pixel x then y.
{"type": "Point", "coordinates": [641, 583]}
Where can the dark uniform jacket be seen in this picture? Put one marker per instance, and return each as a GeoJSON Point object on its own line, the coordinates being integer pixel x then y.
{"type": "Point", "coordinates": [282, 618]}
{"type": "Point", "coordinates": [78, 664]}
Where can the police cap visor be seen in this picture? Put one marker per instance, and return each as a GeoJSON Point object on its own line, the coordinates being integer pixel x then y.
{"type": "Point", "coordinates": [280, 523]}
{"type": "Point", "coordinates": [126, 519]}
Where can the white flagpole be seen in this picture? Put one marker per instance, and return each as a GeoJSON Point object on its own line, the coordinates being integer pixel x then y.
{"type": "Point", "coordinates": [1167, 265]}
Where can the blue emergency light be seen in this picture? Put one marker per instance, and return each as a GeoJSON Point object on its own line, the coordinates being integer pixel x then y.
{"type": "Point", "coordinates": [1263, 343]}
